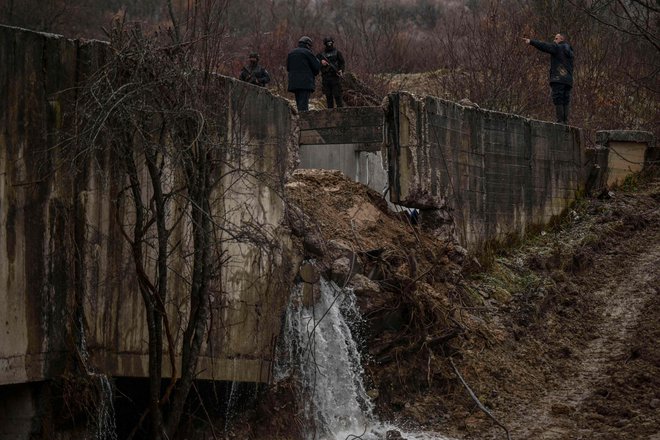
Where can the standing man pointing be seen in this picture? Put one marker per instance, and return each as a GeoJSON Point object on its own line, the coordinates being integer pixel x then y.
{"type": "Point", "coordinates": [561, 72]}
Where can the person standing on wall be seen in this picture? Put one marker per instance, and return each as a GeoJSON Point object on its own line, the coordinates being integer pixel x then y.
{"type": "Point", "coordinates": [561, 72]}
{"type": "Point", "coordinates": [254, 73]}
{"type": "Point", "coordinates": [332, 69]}
{"type": "Point", "coordinates": [303, 67]}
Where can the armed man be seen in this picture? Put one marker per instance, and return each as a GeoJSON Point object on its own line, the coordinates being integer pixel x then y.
{"type": "Point", "coordinates": [254, 73]}
{"type": "Point", "coordinates": [332, 69]}
{"type": "Point", "coordinates": [561, 72]}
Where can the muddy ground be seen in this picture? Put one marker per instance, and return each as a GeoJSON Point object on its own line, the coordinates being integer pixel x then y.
{"type": "Point", "coordinates": [557, 337]}
{"type": "Point", "coordinates": [577, 354]}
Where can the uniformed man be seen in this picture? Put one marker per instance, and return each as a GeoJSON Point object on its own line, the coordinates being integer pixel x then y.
{"type": "Point", "coordinates": [254, 73]}
{"type": "Point", "coordinates": [302, 66]}
{"type": "Point", "coordinates": [332, 69]}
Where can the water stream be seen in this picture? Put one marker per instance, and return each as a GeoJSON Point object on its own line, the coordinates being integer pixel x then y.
{"type": "Point", "coordinates": [320, 352]}
{"type": "Point", "coordinates": [103, 425]}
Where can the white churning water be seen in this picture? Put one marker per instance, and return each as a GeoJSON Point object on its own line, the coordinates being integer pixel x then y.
{"type": "Point", "coordinates": [104, 427]}
{"type": "Point", "coordinates": [319, 350]}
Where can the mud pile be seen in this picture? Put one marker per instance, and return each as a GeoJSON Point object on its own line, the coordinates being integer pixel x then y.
{"type": "Point", "coordinates": [574, 317]}
{"type": "Point", "coordinates": [557, 337]}
{"type": "Point", "coordinates": [408, 286]}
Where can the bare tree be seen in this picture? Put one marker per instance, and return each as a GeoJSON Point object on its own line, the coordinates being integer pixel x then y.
{"type": "Point", "coordinates": [160, 117]}
{"type": "Point", "coordinates": [636, 18]}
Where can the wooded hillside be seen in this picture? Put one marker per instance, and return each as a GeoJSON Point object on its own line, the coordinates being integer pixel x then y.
{"type": "Point", "coordinates": [466, 48]}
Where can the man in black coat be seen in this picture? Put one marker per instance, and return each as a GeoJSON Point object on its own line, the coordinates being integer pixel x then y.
{"type": "Point", "coordinates": [302, 66]}
{"type": "Point", "coordinates": [561, 72]}
{"type": "Point", "coordinates": [332, 68]}
{"type": "Point", "coordinates": [254, 73]}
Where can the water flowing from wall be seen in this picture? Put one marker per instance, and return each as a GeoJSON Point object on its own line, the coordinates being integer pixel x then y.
{"type": "Point", "coordinates": [104, 427]}
{"type": "Point", "coordinates": [320, 352]}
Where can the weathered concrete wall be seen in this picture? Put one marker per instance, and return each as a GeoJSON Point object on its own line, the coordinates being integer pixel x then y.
{"type": "Point", "coordinates": [60, 243]}
{"type": "Point", "coordinates": [34, 204]}
{"type": "Point", "coordinates": [496, 174]}
{"type": "Point", "coordinates": [618, 154]}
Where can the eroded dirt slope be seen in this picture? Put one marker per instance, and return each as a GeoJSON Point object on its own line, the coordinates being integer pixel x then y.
{"type": "Point", "coordinates": [580, 357]}
{"type": "Point", "coordinates": [558, 337]}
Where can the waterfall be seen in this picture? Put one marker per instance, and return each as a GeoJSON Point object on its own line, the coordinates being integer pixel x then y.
{"type": "Point", "coordinates": [324, 357]}
{"type": "Point", "coordinates": [320, 352]}
{"type": "Point", "coordinates": [103, 426]}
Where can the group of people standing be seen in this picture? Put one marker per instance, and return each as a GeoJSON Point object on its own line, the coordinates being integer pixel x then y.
{"type": "Point", "coordinates": [303, 67]}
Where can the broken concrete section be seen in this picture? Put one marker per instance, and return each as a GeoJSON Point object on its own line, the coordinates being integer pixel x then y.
{"type": "Point", "coordinates": [346, 125]}
{"type": "Point", "coordinates": [496, 174]}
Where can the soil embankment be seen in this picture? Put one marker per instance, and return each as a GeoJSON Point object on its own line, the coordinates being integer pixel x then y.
{"type": "Point", "coordinates": [580, 357]}
{"type": "Point", "coordinates": [558, 336]}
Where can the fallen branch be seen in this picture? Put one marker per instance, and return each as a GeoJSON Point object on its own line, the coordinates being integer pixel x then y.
{"type": "Point", "coordinates": [476, 399]}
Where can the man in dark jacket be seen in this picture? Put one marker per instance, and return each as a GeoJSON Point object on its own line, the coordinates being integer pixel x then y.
{"type": "Point", "coordinates": [561, 72]}
{"type": "Point", "coordinates": [302, 66]}
{"type": "Point", "coordinates": [332, 68]}
{"type": "Point", "coordinates": [254, 73]}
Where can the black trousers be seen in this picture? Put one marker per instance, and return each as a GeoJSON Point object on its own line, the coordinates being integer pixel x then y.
{"type": "Point", "coordinates": [561, 93]}
{"type": "Point", "coordinates": [302, 99]}
{"type": "Point", "coordinates": [561, 98]}
{"type": "Point", "coordinates": [332, 91]}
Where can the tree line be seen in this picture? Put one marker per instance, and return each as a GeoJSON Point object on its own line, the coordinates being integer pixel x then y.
{"type": "Point", "coordinates": [469, 48]}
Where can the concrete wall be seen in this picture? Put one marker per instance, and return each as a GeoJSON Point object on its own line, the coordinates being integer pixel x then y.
{"type": "Point", "coordinates": [34, 274]}
{"type": "Point", "coordinates": [348, 139]}
{"type": "Point", "coordinates": [64, 265]}
{"type": "Point", "coordinates": [497, 174]}
{"type": "Point", "coordinates": [618, 154]}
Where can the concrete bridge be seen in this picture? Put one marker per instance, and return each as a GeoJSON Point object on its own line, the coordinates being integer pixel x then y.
{"type": "Point", "coordinates": [487, 175]}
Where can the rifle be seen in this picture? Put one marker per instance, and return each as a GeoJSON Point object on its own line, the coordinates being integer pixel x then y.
{"type": "Point", "coordinates": [250, 79]}
{"type": "Point", "coordinates": [339, 72]}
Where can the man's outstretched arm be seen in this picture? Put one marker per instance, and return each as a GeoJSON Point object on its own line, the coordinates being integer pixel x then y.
{"type": "Point", "coordinates": [542, 46]}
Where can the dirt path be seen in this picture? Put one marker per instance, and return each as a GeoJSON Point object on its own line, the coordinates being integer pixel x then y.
{"type": "Point", "coordinates": [625, 299]}
{"type": "Point", "coordinates": [580, 359]}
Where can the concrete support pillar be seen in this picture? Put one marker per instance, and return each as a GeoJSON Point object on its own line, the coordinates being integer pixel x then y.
{"type": "Point", "coordinates": [18, 412]}
{"type": "Point", "coordinates": [618, 154]}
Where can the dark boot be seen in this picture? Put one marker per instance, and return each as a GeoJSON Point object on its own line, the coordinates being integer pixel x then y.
{"type": "Point", "coordinates": [566, 114]}
{"type": "Point", "coordinates": [559, 111]}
